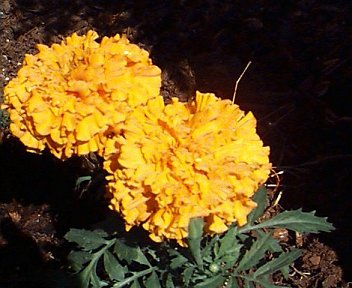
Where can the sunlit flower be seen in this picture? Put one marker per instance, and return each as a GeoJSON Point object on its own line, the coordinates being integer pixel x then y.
{"type": "Point", "coordinates": [66, 96]}
{"type": "Point", "coordinates": [185, 160]}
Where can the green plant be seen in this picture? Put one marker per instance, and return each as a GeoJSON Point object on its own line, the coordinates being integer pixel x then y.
{"type": "Point", "coordinates": [4, 119]}
{"type": "Point", "coordinates": [241, 257]}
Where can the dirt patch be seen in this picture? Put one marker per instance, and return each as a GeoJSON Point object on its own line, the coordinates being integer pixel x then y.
{"type": "Point", "coordinates": [297, 86]}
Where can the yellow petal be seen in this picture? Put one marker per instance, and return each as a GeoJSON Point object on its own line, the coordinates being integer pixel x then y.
{"type": "Point", "coordinates": [69, 121]}
{"type": "Point", "coordinates": [36, 103]}
{"type": "Point", "coordinates": [83, 149]}
{"type": "Point", "coordinates": [43, 122]}
{"type": "Point", "coordinates": [131, 156]}
{"type": "Point", "coordinates": [28, 140]}
{"type": "Point", "coordinates": [86, 128]}
{"type": "Point", "coordinates": [217, 225]}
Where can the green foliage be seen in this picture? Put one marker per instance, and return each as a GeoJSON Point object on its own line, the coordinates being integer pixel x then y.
{"type": "Point", "coordinates": [237, 258]}
{"type": "Point", "coordinates": [4, 119]}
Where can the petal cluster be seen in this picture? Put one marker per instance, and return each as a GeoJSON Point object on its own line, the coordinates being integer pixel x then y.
{"type": "Point", "coordinates": [68, 96]}
{"type": "Point", "coordinates": [186, 160]}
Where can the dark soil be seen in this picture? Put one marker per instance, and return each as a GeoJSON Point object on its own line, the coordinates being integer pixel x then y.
{"type": "Point", "coordinates": [298, 86]}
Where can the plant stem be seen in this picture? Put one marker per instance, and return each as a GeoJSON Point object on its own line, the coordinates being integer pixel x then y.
{"type": "Point", "coordinates": [132, 278]}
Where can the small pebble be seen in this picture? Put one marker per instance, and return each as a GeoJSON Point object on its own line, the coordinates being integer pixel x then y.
{"type": "Point", "coordinates": [315, 260]}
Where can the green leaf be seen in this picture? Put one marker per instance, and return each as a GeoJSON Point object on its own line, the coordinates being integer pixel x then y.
{"type": "Point", "coordinates": [230, 259]}
{"type": "Point", "coordinates": [277, 263]}
{"type": "Point", "coordinates": [273, 244]}
{"type": "Point", "coordinates": [295, 220]}
{"type": "Point", "coordinates": [152, 281]}
{"type": "Point", "coordinates": [84, 277]}
{"type": "Point", "coordinates": [249, 281]}
{"type": "Point", "coordinates": [187, 274]}
{"type": "Point", "coordinates": [153, 254]}
{"type": "Point", "coordinates": [255, 253]}
{"type": "Point", "coordinates": [212, 282]}
{"type": "Point", "coordinates": [124, 252]}
{"type": "Point", "coordinates": [89, 276]}
{"type": "Point", "coordinates": [232, 283]}
{"type": "Point", "coordinates": [211, 247]}
{"type": "Point", "coordinates": [128, 253]}
{"type": "Point", "coordinates": [227, 243]}
{"type": "Point", "coordinates": [169, 283]}
{"type": "Point", "coordinates": [195, 232]}
{"type": "Point", "coordinates": [178, 261]}
{"type": "Point", "coordinates": [82, 179]}
{"type": "Point", "coordinates": [248, 284]}
{"type": "Point", "coordinates": [285, 271]}
{"type": "Point", "coordinates": [135, 284]}
{"type": "Point", "coordinates": [88, 240]}
{"type": "Point", "coordinates": [266, 284]}
{"type": "Point", "coordinates": [95, 281]}
{"type": "Point", "coordinates": [77, 259]}
{"type": "Point", "coordinates": [260, 198]}
{"type": "Point", "coordinates": [141, 259]}
{"type": "Point", "coordinates": [195, 228]}
{"type": "Point", "coordinates": [114, 269]}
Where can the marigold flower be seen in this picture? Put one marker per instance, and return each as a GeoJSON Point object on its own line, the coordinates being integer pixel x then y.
{"type": "Point", "coordinates": [66, 96]}
{"type": "Point", "coordinates": [186, 160]}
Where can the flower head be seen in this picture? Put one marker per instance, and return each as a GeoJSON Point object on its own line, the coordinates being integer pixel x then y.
{"type": "Point", "coordinates": [186, 160]}
{"type": "Point", "coordinates": [68, 95]}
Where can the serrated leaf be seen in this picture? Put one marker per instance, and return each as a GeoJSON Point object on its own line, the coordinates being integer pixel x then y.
{"type": "Point", "coordinates": [129, 253]}
{"type": "Point", "coordinates": [232, 283]}
{"type": "Point", "coordinates": [187, 274]}
{"type": "Point", "coordinates": [84, 277]}
{"type": "Point", "coordinates": [212, 282]}
{"type": "Point", "coordinates": [88, 240]}
{"type": "Point", "coordinates": [276, 264]}
{"type": "Point", "coordinates": [77, 259]}
{"type": "Point", "coordinates": [178, 261]}
{"type": "Point", "coordinates": [243, 237]}
{"type": "Point", "coordinates": [141, 259]}
{"type": "Point", "coordinates": [248, 284]}
{"type": "Point", "coordinates": [265, 284]}
{"type": "Point", "coordinates": [195, 232]}
{"type": "Point", "coordinates": [153, 254]}
{"type": "Point", "coordinates": [295, 220]}
{"type": "Point", "coordinates": [231, 258]}
{"type": "Point", "coordinates": [95, 281]}
{"type": "Point", "coordinates": [135, 284]}
{"type": "Point", "coordinates": [273, 244]}
{"type": "Point", "coordinates": [89, 276]}
{"type": "Point", "coordinates": [152, 281]}
{"type": "Point", "coordinates": [211, 247]}
{"type": "Point", "coordinates": [124, 252]}
{"type": "Point", "coordinates": [195, 228]}
{"type": "Point", "coordinates": [285, 271]}
{"type": "Point", "coordinates": [114, 269]}
{"type": "Point", "coordinates": [250, 281]}
{"type": "Point", "coordinates": [169, 283]}
{"type": "Point", "coordinates": [260, 198]}
{"type": "Point", "coordinates": [255, 253]}
{"type": "Point", "coordinates": [228, 243]}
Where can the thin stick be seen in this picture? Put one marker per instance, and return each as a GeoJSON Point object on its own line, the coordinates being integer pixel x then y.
{"type": "Point", "coordinates": [238, 81]}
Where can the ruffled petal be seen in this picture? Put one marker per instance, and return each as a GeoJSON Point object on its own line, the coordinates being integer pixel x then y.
{"type": "Point", "coordinates": [186, 160]}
